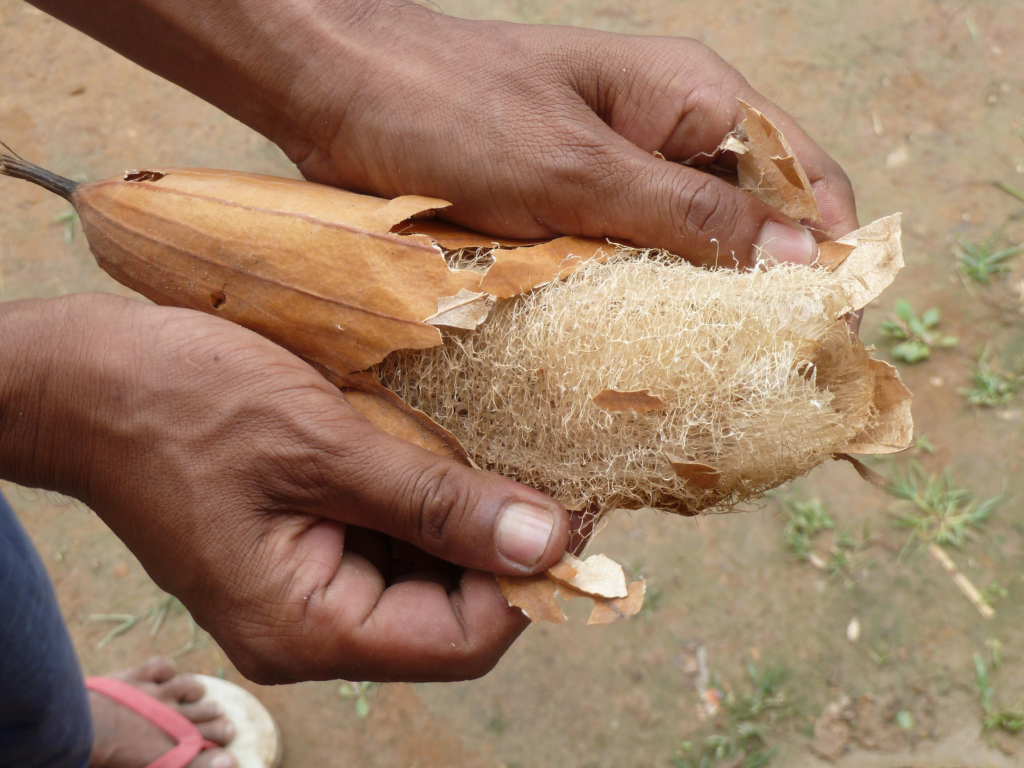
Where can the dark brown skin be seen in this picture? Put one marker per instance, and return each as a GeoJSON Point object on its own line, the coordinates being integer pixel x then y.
{"type": "Point", "coordinates": [229, 466]}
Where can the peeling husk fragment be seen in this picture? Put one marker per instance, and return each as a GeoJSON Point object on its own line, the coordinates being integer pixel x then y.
{"type": "Point", "coordinates": [874, 262]}
{"type": "Point", "coordinates": [533, 595]}
{"type": "Point", "coordinates": [768, 169]}
{"type": "Point", "coordinates": [831, 254]}
{"type": "Point", "coordinates": [388, 412]}
{"type": "Point", "coordinates": [465, 310]}
{"type": "Point", "coordinates": [611, 611]}
{"type": "Point", "coordinates": [521, 270]}
{"type": "Point", "coordinates": [698, 475]}
{"type": "Point", "coordinates": [452, 237]}
{"type": "Point", "coordinates": [641, 401]}
{"type": "Point", "coordinates": [893, 428]}
{"type": "Point", "coordinates": [598, 578]}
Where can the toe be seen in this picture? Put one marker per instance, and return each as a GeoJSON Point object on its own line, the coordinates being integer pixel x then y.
{"type": "Point", "coordinates": [158, 670]}
{"type": "Point", "coordinates": [214, 758]}
{"type": "Point", "coordinates": [202, 711]}
{"type": "Point", "coordinates": [182, 689]}
{"type": "Point", "coordinates": [220, 731]}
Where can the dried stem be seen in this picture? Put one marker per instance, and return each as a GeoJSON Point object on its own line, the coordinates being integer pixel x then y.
{"type": "Point", "coordinates": [965, 584]}
{"type": "Point", "coordinates": [22, 169]}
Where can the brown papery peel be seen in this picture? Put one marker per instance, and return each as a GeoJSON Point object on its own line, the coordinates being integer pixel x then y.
{"type": "Point", "coordinates": [604, 375]}
{"type": "Point", "coordinates": [598, 578]}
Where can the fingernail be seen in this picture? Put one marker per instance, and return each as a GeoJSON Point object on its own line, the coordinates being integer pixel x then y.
{"type": "Point", "coordinates": [214, 709]}
{"type": "Point", "coordinates": [785, 243]}
{"type": "Point", "coordinates": [523, 532]}
{"type": "Point", "coordinates": [228, 732]}
{"type": "Point", "coordinates": [223, 760]}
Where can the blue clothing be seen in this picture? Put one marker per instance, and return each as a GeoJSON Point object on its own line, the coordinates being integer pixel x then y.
{"type": "Point", "coordinates": [44, 707]}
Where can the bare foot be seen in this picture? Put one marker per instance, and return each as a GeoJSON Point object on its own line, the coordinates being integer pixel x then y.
{"type": "Point", "coordinates": [124, 739]}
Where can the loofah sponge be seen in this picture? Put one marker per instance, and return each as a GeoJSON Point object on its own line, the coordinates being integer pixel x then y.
{"type": "Point", "coordinates": [644, 381]}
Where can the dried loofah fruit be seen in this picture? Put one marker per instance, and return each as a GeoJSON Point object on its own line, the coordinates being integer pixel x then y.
{"type": "Point", "coordinates": [603, 375]}
{"type": "Point", "coordinates": [756, 377]}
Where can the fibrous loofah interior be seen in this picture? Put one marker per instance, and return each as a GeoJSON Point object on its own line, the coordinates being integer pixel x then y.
{"type": "Point", "coordinates": [761, 378]}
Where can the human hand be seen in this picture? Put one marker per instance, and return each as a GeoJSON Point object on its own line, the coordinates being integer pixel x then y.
{"type": "Point", "coordinates": [534, 131]}
{"type": "Point", "coordinates": [528, 130]}
{"type": "Point", "coordinates": [250, 489]}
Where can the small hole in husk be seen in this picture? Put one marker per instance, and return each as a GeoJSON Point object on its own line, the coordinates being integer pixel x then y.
{"type": "Point", "coordinates": [217, 299]}
{"type": "Point", "coordinates": [144, 176]}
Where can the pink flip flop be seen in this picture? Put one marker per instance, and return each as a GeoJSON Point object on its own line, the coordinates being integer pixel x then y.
{"type": "Point", "coordinates": [257, 743]}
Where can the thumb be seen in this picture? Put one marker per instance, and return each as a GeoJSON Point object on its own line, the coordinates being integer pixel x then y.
{"type": "Point", "coordinates": [462, 515]}
{"type": "Point", "coordinates": [633, 195]}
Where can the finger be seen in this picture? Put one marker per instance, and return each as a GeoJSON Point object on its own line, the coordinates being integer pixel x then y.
{"type": "Point", "coordinates": [462, 515]}
{"type": "Point", "coordinates": [440, 578]}
{"type": "Point", "coordinates": [686, 100]}
{"type": "Point", "coordinates": [623, 192]}
{"type": "Point", "coordinates": [413, 631]}
{"type": "Point", "coordinates": [374, 546]}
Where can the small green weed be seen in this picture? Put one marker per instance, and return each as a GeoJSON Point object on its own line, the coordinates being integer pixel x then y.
{"type": "Point", "coordinates": [744, 738]}
{"type": "Point", "coordinates": [497, 724]}
{"type": "Point", "coordinates": [991, 387]}
{"type": "Point", "coordinates": [1009, 719]}
{"type": "Point", "coordinates": [843, 559]}
{"type": "Point", "coordinates": [915, 337]}
{"type": "Point", "coordinates": [1009, 189]}
{"type": "Point", "coordinates": [996, 647]}
{"type": "Point", "coordinates": [994, 591]}
{"type": "Point", "coordinates": [924, 444]}
{"type": "Point", "coordinates": [68, 220]}
{"type": "Point", "coordinates": [361, 693]}
{"type": "Point", "coordinates": [806, 520]}
{"type": "Point", "coordinates": [935, 510]}
{"type": "Point", "coordinates": [156, 616]}
{"type": "Point", "coordinates": [905, 720]}
{"type": "Point", "coordinates": [652, 602]}
{"type": "Point", "coordinates": [980, 262]}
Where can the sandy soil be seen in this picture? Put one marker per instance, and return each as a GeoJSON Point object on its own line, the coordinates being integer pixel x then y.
{"type": "Point", "coordinates": [923, 103]}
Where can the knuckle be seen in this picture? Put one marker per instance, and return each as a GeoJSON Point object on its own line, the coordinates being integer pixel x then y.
{"type": "Point", "coordinates": [705, 207]}
{"type": "Point", "coordinates": [439, 503]}
{"type": "Point", "coordinates": [836, 180]}
{"type": "Point", "coordinates": [569, 153]}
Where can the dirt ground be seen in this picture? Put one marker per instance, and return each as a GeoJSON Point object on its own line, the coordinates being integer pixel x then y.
{"type": "Point", "coordinates": [922, 102]}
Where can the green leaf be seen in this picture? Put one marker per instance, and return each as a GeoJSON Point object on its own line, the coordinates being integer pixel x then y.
{"type": "Point", "coordinates": [362, 708]}
{"type": "Point", "coordinates": [984, 688]}
{"type": "Point", "coordinates": [931, 317]}
{"type": "Point", "coordinates": [948, 341]}
{"type": "Point", "coordinates": [911, 351]}
{"type": "Point", "coordinates": [892, 330]}
{"type": "Point", "coordinates": [1010, 190]}
{"type": "Point", "coordinates": [905, 720]}
{"type": "Point", "coordinates": [903, 310]}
